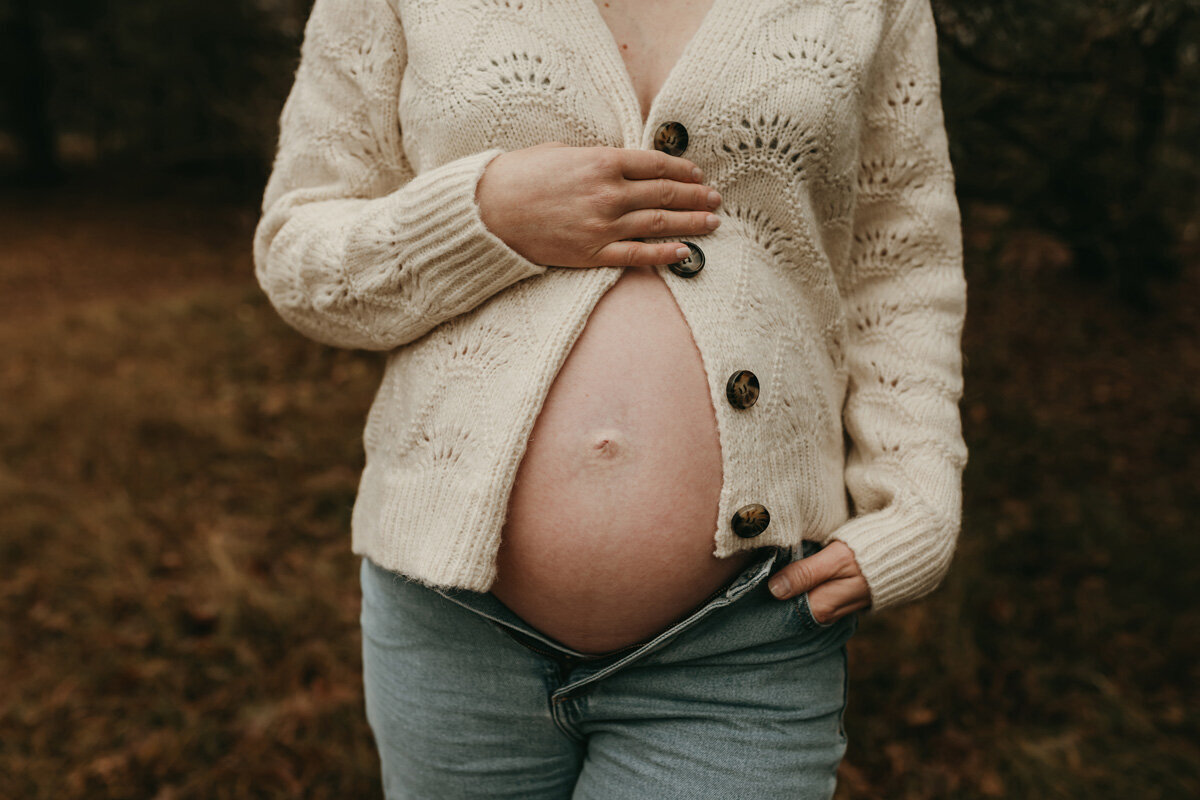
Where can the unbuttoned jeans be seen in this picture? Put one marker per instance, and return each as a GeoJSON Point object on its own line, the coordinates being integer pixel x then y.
{"type": "Point", "coordinates": [742, 698]}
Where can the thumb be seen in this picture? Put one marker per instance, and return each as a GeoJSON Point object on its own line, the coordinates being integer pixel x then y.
{"type": "Point", "coordinates": [800, 576]}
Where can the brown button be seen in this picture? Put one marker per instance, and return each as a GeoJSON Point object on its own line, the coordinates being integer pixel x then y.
{"type": "Point", "coordinates": [742, 389]}
{"type": "Point", "coordinates": [671, 138]}
{"type": "Point", "coordinates": [749, 521]}
{"type": "Point", "coordinates": [690, 265]}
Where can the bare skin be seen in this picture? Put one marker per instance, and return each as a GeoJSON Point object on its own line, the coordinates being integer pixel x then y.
{"type": "Point", "coordinates": [609, 534]}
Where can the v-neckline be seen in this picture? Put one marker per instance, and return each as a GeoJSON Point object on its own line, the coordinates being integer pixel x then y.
{"type": "Point", "coordinates": [616, 61]}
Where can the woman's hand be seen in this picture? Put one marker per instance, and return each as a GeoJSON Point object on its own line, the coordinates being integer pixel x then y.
{"type": "Point", "coordinates": [831, 576]}
{"type": "Point", "coordinates": [566, 206]}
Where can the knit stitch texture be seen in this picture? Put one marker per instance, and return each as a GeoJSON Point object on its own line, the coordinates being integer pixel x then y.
{"type": "Point", "coordinates": [836, 275]}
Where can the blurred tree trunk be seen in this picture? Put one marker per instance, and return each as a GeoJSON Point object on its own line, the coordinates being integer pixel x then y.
{"type": "Point", "coordinates": [30, 89]}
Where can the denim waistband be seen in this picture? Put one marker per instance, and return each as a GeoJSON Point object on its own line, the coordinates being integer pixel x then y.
{"type": "Point", "coordinates": [489, 606]}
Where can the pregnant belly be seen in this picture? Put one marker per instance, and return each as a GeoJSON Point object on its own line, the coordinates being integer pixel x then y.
{"type": "Point", "coordinates": [609, 533]}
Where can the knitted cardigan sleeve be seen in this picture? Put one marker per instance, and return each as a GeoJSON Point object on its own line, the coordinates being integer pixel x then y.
{"type": "Point", "coordinates": [905, 299]}
{"type": "Point", "coordinates": [354, 249]}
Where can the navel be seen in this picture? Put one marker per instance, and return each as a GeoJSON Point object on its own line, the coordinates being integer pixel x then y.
{"type": "Point", "coordinates": [607, 444]}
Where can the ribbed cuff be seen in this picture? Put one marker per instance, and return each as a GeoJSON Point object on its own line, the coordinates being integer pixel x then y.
{"type": "Point", "coordinates": [903, 552]}
{"type": "Point", "coordinates": [432, 228]}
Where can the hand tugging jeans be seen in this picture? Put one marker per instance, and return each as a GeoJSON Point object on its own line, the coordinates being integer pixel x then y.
{"type": "Point", "coordinates": [742, 698]}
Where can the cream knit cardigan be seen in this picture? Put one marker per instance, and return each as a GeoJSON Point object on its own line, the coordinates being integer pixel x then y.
{"type": "Point", "coordinates": [836, 276]}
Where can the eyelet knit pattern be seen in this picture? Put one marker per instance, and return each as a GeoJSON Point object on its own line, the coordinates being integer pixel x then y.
{"type": "Point", "coordinates": [836, 276]}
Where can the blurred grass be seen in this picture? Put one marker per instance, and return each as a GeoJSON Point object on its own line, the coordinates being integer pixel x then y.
{"type": "Point", "coordinates": [180, 606]}
{"type": "Point", "coordinates": [180, 603]}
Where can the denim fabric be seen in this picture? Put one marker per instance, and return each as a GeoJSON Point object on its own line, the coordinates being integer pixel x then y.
{"type": "Point", "coordinates": [742, 698]}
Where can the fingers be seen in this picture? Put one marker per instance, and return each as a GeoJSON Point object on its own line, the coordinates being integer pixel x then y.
{"type": "Point", "coordinates": [661, 196]}
{"type": "Point", "coordinates": [834, 599]}
{"type": "Point", "coordinates": [654, 222]}
{"type": "Point", "coordinates": [836, 560]}
{"type": "Point", "coordinates": [640, 254]}
{"type": "Point", "coordinates": [800, 576]}
{"type": "Point", "coordinates": [645, 164]}
{"type": "Point", "coordinates": [665, 193]}
{"type": "Point", "coordinates": [832, 578]}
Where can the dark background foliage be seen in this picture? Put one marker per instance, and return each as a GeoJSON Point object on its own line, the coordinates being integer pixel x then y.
{"type": "Point", "coordinates": [177, 466]}
{"type": "Point", "coordinates": [1082, 117]}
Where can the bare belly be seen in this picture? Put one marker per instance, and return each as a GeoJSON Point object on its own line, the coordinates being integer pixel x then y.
{"type": "Point", "coordinates": [609, 534]}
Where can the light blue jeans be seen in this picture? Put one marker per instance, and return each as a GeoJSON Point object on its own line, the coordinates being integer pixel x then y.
{"type": "Point", "coordinates": [743, 697]}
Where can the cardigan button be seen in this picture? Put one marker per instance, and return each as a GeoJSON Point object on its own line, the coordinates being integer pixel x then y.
{"type": "Point", "coordinates": [749, 521]}
{"type": "Point", "coordinates": [741, 390]}
{"type": "Point", "coordinates": [690, 265]}
{"type": "Point", "coordinates": [671, 138]}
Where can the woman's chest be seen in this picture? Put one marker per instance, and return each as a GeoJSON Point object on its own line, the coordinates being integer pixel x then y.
{"type": "Point", "coordinates": [515, 73]}
{"type": "Point", "coordinates": [651, 36]}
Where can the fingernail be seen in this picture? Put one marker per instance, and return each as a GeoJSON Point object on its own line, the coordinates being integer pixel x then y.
{"type": "Point", "coordinates": [712, 221]}
{"type": "Point", "coordinates": [697, 175]}
{"type": "Point", "coordinates": [714, 199]}
{"type": "Point", "coordinates": [682, 252]}
{"type": "Point", "coordinates": [779, 586]}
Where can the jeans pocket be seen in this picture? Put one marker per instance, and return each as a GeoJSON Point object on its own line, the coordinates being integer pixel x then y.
{"type": "Point", "coordinates": [804, 611]}
{"type": "Point", "coordinates": [800, 603]}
